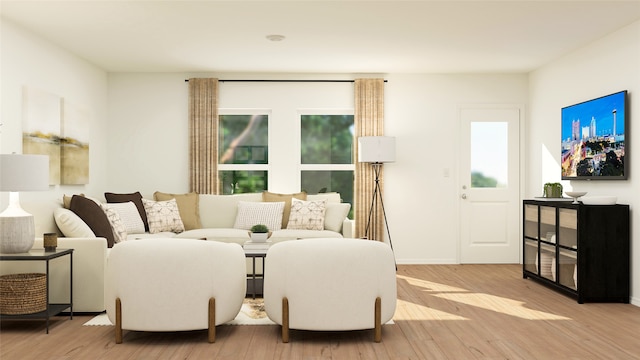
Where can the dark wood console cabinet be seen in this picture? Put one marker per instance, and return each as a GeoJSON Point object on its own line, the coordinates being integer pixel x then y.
{"type": "Point", "coordinates": [580, 250]}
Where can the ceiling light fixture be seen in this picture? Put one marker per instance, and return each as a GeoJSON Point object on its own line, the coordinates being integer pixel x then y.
{"type": "Point", "coordinates": [275, 37]}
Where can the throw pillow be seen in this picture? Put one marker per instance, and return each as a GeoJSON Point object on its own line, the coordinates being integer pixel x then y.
{"type": "Point", "coordinates": [163, 216]}
{"type": "Point", "coordinates": [275, 197]}
{"type": "Point", "coordinates": [66, 200]}
{"type": "Point", "coordinates": [188, 206]}
{"type": "Point", "coordinates": [91, 213]}
{"type": "Point", "coordinates": [307, 215]}
{"type": "Point", "coordinates": [335, 215]}
{"type": "Point", "coordinates": [136, 197]}
{"type": "Point", "coordinates": [70, 224]}
{"type": "Point", "coordinates": [253, 213]}
{"type": "Point", "coordinates": [129, 216]}
{"type": "Point", "coordinates": [119, 231]}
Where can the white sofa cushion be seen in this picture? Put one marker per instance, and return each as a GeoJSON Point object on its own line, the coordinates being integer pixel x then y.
{"type": "Point", "coordinates": [253, 213]}
{"type": "Point", "coordinates": [71, 225]}
{"type": "Point", "coordinates": [290, 234]}
{"type": "Point", "coordinates": [219, 211]}
{"type": "Point", "coordinates": [335, 215]}
{"type": "Point", "coordinates": [147, 235]}
{"type": "Point", "coordinates": [238, 236]}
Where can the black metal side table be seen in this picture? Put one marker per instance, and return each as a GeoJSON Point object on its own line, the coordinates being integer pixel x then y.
{"type": "Point", "coordinates": [41, 255]}
{"type": "Point", "coordinates": [253, 278]}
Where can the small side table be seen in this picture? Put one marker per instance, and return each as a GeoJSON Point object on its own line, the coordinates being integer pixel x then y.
{"type": "Point", "coordinates": [41, 255]}
{"type": "Point", "coordinates": [255, 254]}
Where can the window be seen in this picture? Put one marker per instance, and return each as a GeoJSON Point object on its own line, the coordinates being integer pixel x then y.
{"type": "Point", "coordinates": [326, 154]}
{"type": "Point", "coordinates": [489, 154]}
{"type": "Point", "coordinates": [243, 150]}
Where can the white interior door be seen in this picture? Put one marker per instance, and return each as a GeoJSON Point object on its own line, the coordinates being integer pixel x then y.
{"type": "Point", "coordinates": [489, 184]}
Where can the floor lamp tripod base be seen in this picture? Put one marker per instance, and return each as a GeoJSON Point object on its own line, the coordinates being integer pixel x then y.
{"type": "Point", "coordinates": [378, 193]}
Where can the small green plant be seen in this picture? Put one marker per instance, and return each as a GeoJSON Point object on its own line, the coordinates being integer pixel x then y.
{"type": "Point", "coordinates": [553, 190]}
{"type": "Point", "coordinates": [260, 228]}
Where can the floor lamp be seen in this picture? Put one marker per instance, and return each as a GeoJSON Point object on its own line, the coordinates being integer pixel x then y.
{"type": "Point", "coordinates": [377, 150]}
{"type": "Point", "coordinates": [20, 173]}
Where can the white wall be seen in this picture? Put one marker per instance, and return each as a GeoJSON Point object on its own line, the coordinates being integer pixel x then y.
{"type": "Point", "coordinates": [422, 112]}
{"type": "Point", "coordinates": [604, 67]}
{"type": "Point", "coordinates": [149, 119]}
{"type": "Point", "coordinates": [148, 140]}
{"type": "Point", "coordinates": [27, 60]}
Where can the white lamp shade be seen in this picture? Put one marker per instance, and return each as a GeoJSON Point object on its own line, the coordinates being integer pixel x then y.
{"type": "Point", "coordinates": [19, 172]}
{"type": "Point", "coordinates": [376, 149]}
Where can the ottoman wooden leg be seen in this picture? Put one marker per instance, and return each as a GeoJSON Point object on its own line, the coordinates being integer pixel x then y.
{"type": "Point", "coordinates": [285, 320]}
{"type": "Point", "coordinates": [212, 320]}
{"type": "Point", "coordinates": [377, 336]}
{"type": "Point", "coordinates": [118, 321]}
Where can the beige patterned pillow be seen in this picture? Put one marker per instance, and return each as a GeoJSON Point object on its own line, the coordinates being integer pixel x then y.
{"type": "Point", "coordinates": [189, 207]}
{"type": "Point", "coordinates": [275, 197]}
{"type": "Point", "coordinates": [253, 213]}
{"type": "Point", "coordinates": [119, 231]}
{"type": "Point", "coordinates": [163, 216]}
{"type": "Point", "coordinates": [307, 215]}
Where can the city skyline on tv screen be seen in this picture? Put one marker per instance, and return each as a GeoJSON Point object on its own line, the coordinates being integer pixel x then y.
{"type": "Point", "coordinates": [593, 138]}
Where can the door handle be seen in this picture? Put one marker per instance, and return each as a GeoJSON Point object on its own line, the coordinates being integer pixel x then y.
{"type": "Point", "coordinates": [464, 196]}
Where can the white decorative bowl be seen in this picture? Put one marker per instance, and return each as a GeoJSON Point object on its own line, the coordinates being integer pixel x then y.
{"type": "Point", "coordinates": [575, 194]}
{"type": "Point", "coordinates": [599, 200]}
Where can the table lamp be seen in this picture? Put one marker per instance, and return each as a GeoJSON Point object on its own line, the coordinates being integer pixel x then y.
{"type": "Point", "coordinates": [20, 172]}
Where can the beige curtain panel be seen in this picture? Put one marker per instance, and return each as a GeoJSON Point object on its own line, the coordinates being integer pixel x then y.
{"type": "Point", "coordinates": [203, 135]}
{"type": "Point", "coordinates": [368, 121]}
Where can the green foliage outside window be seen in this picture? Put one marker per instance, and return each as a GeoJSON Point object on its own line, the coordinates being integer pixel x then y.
{"type": "Point", "coordinates": [479, 180]}
{"type": "Point", "coordinates": [327, 139]}
{"type": "Point", "coordinates": [243, 139]}
{"type": "Point", "coordinates": [243, 182]}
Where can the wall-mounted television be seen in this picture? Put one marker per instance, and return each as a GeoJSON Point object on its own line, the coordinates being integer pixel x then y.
{"type": "Point", "coordinates": [594, 139]}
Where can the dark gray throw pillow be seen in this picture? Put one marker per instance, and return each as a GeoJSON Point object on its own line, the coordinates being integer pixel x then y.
{"type": "Point", "coordinates": [93, 215]}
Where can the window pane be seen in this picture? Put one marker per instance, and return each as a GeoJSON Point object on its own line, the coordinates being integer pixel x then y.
{"type": "Point", "coordinates": [243, 139]}
{"type": "Point", "coordinates": [326, 139]}
{"type": "Point", "coordinates": [239, 182]}
{"type": "Point", "coordinates": [489, 154]}
{"type": "Point", "coordinates": [314, 182]}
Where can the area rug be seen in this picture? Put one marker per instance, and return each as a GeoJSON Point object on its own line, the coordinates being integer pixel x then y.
{"type": "Point", "coordinates": [251, 313]}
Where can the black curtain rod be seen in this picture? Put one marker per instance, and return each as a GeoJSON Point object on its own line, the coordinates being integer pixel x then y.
{"type": "Point", "coordinates": [264, 80]}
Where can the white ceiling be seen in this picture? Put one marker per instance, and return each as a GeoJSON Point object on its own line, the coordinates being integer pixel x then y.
{"type": "Point", "coordinates": [321, 36]}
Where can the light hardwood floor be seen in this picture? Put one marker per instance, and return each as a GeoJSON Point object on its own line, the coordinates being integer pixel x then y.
{"type": "Point", "coordinates": [444, 312]}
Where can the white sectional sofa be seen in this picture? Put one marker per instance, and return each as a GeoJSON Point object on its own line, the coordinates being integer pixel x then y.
{"type": "Point", "coordinates": [216, 217]}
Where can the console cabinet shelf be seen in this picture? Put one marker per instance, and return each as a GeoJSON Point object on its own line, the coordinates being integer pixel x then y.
{"type": "Point", "coordinates": [580, 250]}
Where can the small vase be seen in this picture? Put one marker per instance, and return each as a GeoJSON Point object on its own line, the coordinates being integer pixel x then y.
{"type": "Point", "coordinates": [259, 237]}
